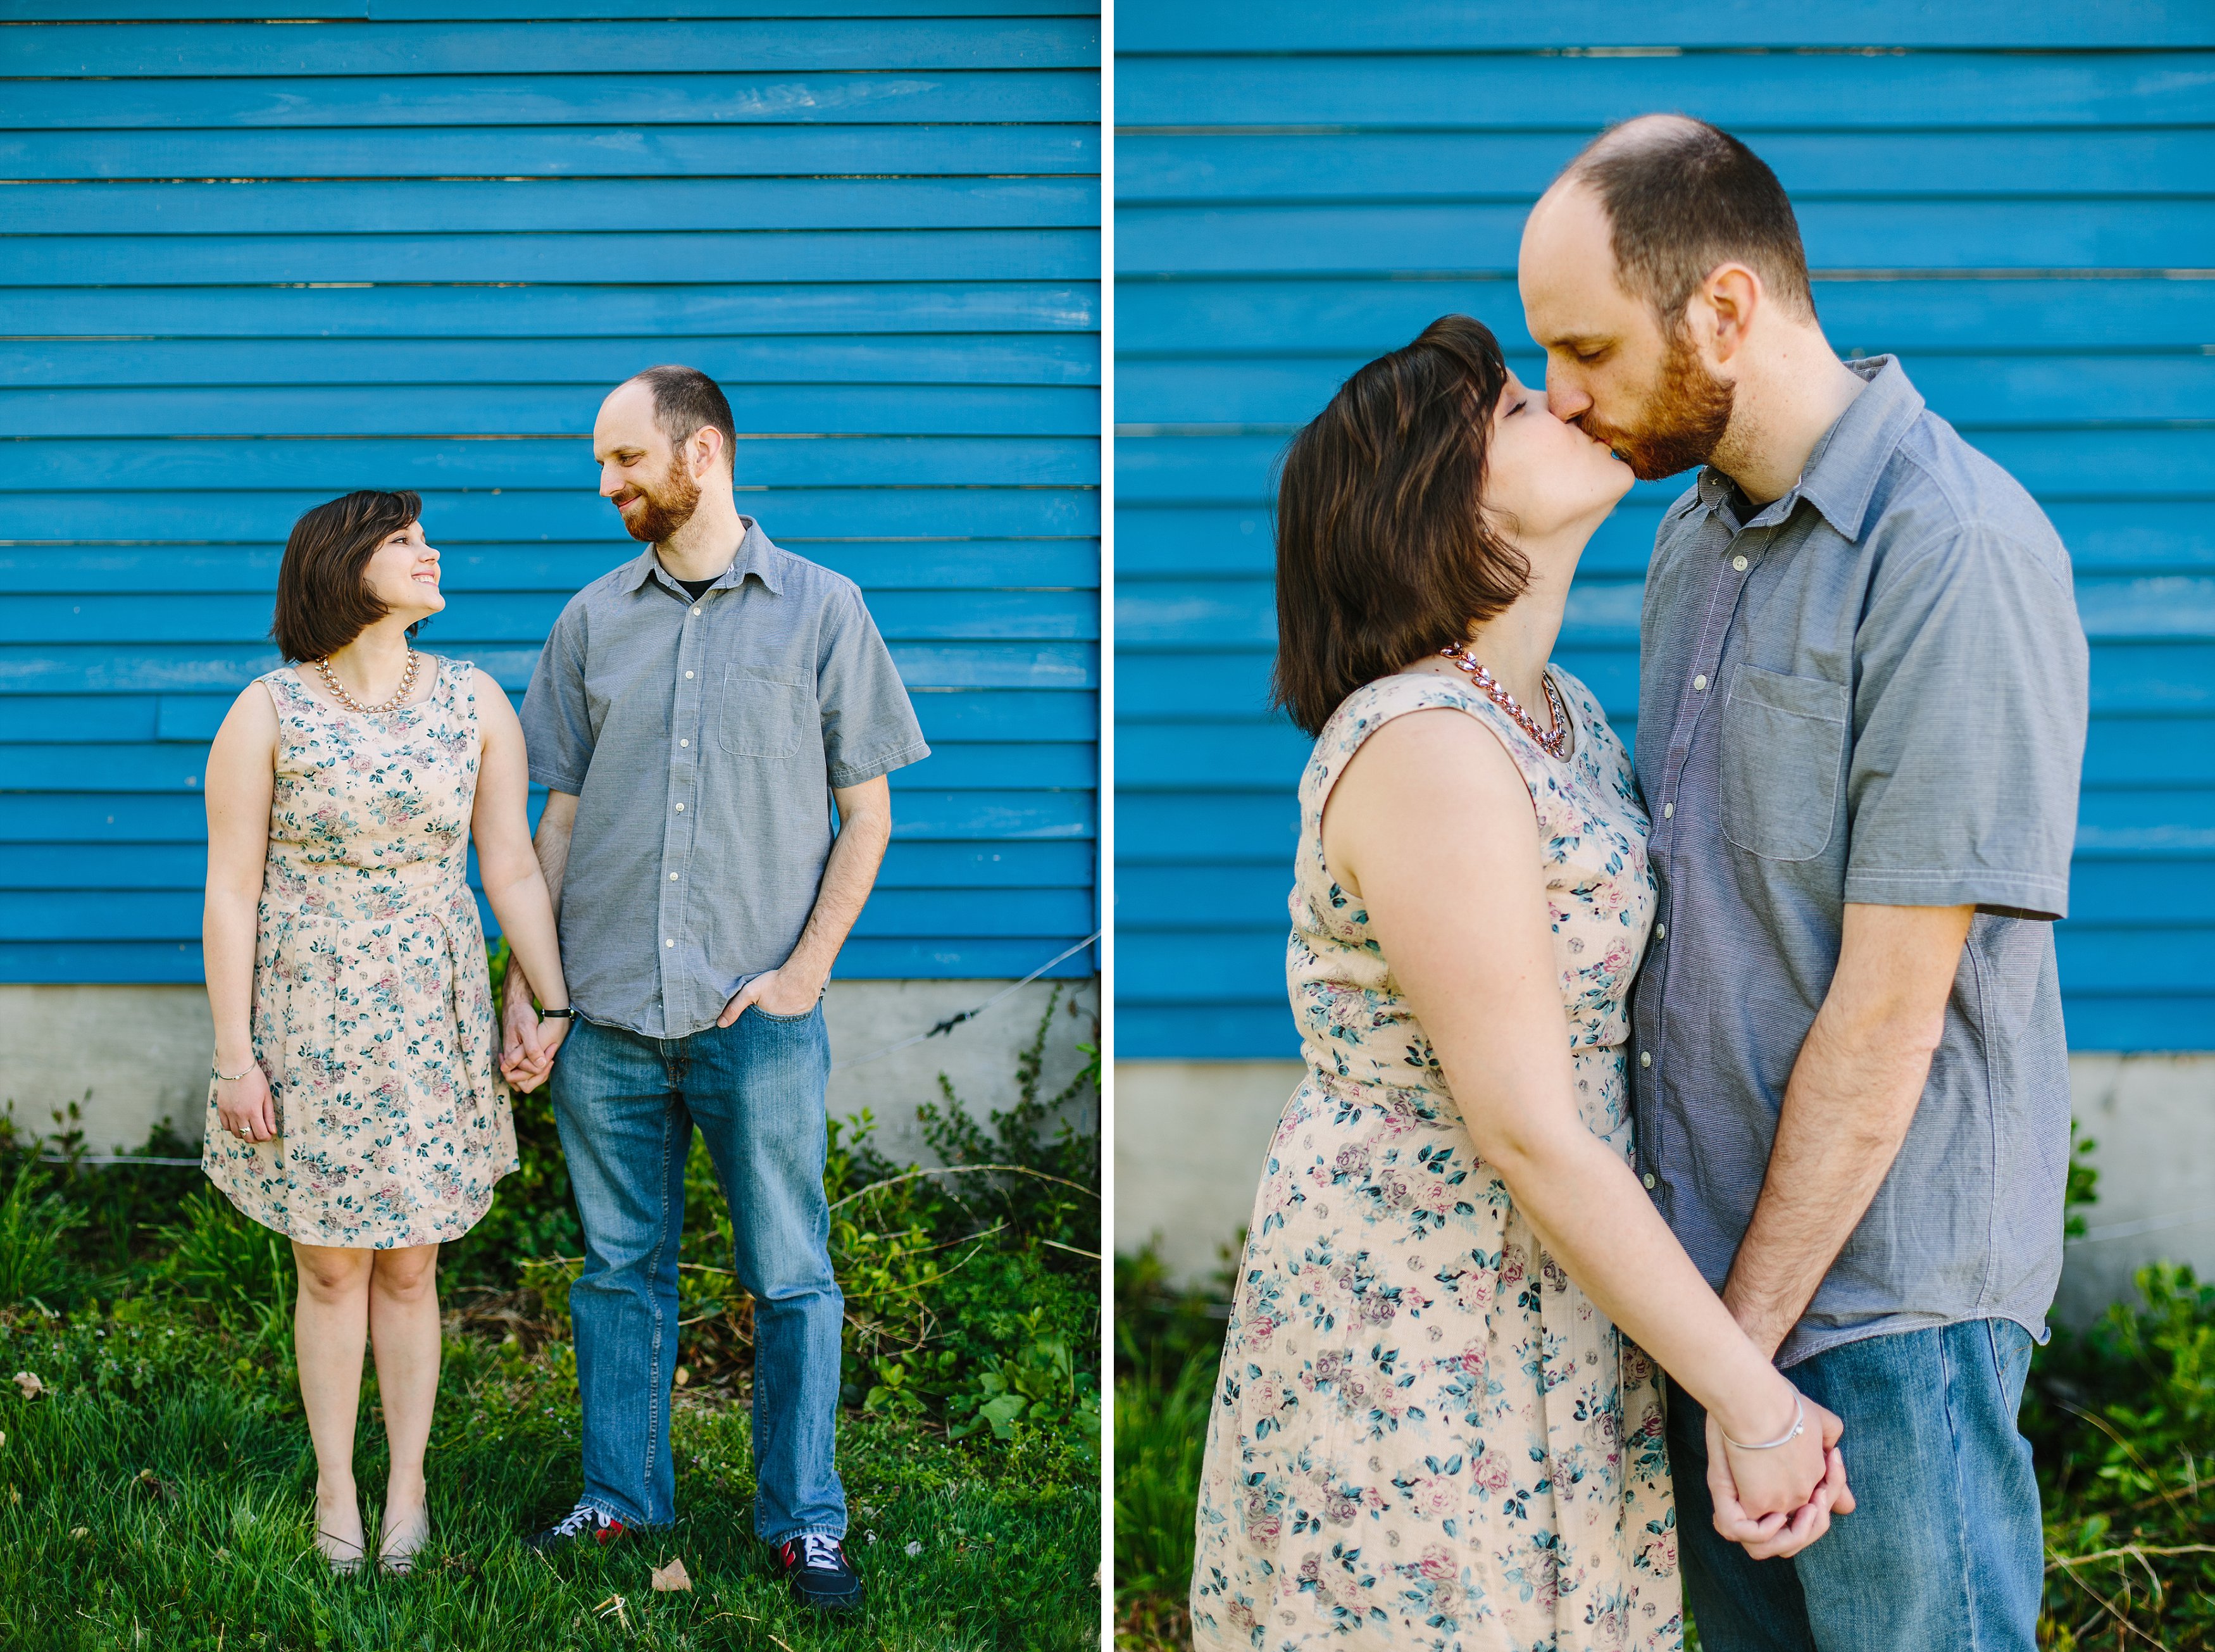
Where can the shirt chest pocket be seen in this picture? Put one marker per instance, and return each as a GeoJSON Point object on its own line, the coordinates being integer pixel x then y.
{"type": "Point", "coordinates": [1784, 743]}
{"type": "Point", "coordinates": [764, 710]}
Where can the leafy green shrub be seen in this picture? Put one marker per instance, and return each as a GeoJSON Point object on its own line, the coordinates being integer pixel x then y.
{"type": "Point", "coordinates": [2122, 1421]}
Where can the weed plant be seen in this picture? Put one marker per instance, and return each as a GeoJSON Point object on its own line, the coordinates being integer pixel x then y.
{"type": "Point", "coordinates": [156, 1473]}
{"type": "Point", "coordinates": [2121, 1421]}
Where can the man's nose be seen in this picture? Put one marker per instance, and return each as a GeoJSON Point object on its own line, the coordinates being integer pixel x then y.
{"type": "Point", "coordinates": [1566, 403]}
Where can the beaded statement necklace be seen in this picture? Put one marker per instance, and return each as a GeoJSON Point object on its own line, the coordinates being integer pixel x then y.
{"type": "Point", "coordinates": [338, 689]}
{"type": "Point", "coordinates": [1554, 742]}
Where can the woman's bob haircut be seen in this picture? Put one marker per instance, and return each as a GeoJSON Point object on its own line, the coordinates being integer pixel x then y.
{"type": "Point", "coordinates": [324, 598]}
{"type": "Point", "coordinates": [1383, 553]}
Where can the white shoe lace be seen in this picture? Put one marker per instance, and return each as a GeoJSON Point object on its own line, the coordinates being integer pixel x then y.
{"type": "Point", "coordinates": [819, 1552]}
{"type": "Point", "coordinates": [583, 1515]}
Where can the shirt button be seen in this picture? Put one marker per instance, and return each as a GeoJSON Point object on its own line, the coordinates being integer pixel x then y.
{"type": "Point", "coordinates": [1661, 930]}
{"type": "Point", "coordinates": [1699, 683]}
{"type": "Point", "coordinates": [688, 674]}
{"type": "Point", "coordinates": [680, 808]}
{"type": "Point", "coordinates": [1646, 1057]}
{"type": "Point", "coordinates": [1648, 1178]}
{"type": "Point", "coordinates": [1737, 562]}
{"type": "Point", "coordinates": [669, 944]}
{"type": "Point", "coordinates": [696, 611]}
{"type": "Point", "coordinates": [1668, 811]}
{"type": "Point", "coordinates": [684, 742]}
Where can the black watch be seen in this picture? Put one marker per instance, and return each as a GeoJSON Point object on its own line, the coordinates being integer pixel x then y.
{"type": "Point", "coordinates": [570, 1014]}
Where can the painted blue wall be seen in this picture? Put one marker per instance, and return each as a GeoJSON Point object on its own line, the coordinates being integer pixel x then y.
{"type": "Point", "coordinates": [244, 268]}
{"type": "Point", "coordinates": [2017, 198]}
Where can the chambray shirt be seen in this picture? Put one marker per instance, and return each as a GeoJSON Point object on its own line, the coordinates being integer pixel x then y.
{"type": "Point", "coordinates": [701, 740]}
{"type": "Point", "coordinates": [1872, 690]}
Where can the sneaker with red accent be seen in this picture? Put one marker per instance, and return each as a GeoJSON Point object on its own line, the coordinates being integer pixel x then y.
{"type": "Point", "coordinates": [816, 1568]}
{"type": "Point", "coordinates": [579, 1523]}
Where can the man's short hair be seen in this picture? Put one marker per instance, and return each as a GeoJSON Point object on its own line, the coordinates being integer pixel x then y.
{"type": "Point", "coordinates": [687, 401]}
{"type": "Point", "coordinates": [1683, 197]}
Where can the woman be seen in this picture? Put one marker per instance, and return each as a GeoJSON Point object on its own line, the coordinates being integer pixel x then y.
{"type": "Point", "coordinates": [355, 1105]}
{"type": "Point", "coordinates": [1428, 1431]}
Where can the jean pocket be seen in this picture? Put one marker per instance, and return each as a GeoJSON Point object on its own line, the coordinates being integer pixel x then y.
{"type": "Point", "coordinates": [764, 710]}
{"type": "Point", "coordinates": [1785, 742]}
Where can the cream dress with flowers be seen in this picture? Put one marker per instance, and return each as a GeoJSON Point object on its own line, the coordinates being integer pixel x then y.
{"type": "Point", "coordinates": [372, 1011]}
{"type": "Point", "coordinates": [1424, 1434]}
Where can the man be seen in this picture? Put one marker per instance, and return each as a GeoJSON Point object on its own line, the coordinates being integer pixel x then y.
{"type": "Point", "coordinates": [1862, 708]}
{"type": "Point", "coordinates": [689, 715]}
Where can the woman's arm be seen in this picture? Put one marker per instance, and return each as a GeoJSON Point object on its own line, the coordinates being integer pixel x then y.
{"type": "Point", "coordinates": [241, 777]}
{"type": "Point", "coordinates": [505, 860]}
{"type": "Point", "coordinates": [1432, 826]}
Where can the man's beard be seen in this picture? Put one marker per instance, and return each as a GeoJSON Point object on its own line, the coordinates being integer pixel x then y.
{"type": "Point", "coordinates": [1685, 418]}
{"type": "Point", "coordinates": [663, 509]}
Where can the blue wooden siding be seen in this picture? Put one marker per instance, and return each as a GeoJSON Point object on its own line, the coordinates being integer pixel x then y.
{"type": "Point", "coordinates": [245, 267]}
{"type": "Point", "coordinates": [2016, 198]}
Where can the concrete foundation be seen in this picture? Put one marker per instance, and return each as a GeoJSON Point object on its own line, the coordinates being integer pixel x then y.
{"type": "Point", "coordinates": [130, 1056]}
{"type": "Point", "coordinates": [1190, 1137]}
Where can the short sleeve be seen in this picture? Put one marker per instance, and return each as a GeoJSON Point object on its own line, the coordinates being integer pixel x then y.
{"type": "Point", "coordinates": [870, 727]}
{"type": "Point", "coordinates": [1969, 717]}
{"type": "Point", "coordinates": [557, 727]}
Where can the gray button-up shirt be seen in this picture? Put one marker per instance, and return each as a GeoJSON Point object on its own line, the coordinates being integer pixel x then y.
{"type": "Point", "coordinates": [1872, 690]}
{"type": "Point", "coordinates": [701, 740]}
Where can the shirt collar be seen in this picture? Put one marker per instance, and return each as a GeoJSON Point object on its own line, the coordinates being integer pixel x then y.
{"type": "Point", "coordinates": [1841, 474]}
{"type": "Point", "coordinates": [757, 556]}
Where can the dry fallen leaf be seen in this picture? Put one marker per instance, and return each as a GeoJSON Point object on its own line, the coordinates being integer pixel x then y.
{"type": "Point", "coordinates": [149, 1482]}
{"type": "Point", "coordinates": [31, 1385]}
{"type": "Point", "coordinates": [672, 1578]}
{"type": "Point", "coordinates": [683, 1376]}
{"type": "Point", "coordinates": [80, 1531]}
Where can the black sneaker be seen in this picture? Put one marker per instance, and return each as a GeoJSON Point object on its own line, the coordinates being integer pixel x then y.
{"type": "Point", "coordinates": [815, 1566]}
{"type": "Point", "coordinates": [581, 1522]}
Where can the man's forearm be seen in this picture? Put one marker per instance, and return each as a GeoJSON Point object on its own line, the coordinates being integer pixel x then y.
{"type": "Point", "coordinates": [848, 878]}
{"type": "Point", "coordinates": [551, 843]}
{"type": "Point", "coordinates": [1847, 1107]}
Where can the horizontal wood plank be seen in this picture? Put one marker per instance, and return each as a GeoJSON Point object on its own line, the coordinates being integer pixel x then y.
{"type": "Point", "coordinates": [1745, 92]}
{"type": "Point", "coordinates": [639, 150]}
{"type": "Point", "coordinates": [1243, 26]}
{"type": "Point", "coordinates": [524, 46]}
{"type": "Point", "coordinates": [540, 310]}
{"type": "Point", "coordinates": [539, 206]}
{"type": "Point", "coordinates": [583, 255]}
{"type": "Point", "coordinates": [1054, 97]}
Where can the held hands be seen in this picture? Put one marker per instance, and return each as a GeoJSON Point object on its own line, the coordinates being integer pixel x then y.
{"type": "Point", "coordinates": [1778, 1501]}
{"type": "Point", "coordinates": [782, 991]}
{"type": "Point", "coordinates": [527, 1043]}
{"type": "Point", "coordinates": [242, 1105]}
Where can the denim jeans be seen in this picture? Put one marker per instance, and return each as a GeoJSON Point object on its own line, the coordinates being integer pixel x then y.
{"type": "Point", "coordinates": [626, 1106]}
{"type": "Point", "coordinates": [1944, 1548]}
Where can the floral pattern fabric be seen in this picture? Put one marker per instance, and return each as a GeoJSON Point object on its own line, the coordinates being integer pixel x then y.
{"type": "Point", "coordinates": [372, 1011]}
{"type": "Point", "coordinates": [1424, 1434]}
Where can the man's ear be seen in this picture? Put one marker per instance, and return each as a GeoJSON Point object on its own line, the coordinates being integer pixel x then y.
{"type": "Point", "coordinates": [1730, 295]}
{"type": "Point", "coordinates": [707, 448]}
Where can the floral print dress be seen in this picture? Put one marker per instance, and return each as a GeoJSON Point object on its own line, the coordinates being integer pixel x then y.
{"type": "Point", "coordinates": [1424, 1434]}
{"type": "Point", "coordinates": [372, 1011]}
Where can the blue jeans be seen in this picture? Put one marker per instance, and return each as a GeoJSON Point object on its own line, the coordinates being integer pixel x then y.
{"type": "Point", "coordinates": [626, 1106]}
{"type": "Point", "coordinates": [1945, 1549]}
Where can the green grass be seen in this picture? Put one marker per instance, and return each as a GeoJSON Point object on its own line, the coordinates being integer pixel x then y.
{"type": "Point", "coordinates": [158, 1496]}
{"type": "Point", "coordinates": [157, 1492]}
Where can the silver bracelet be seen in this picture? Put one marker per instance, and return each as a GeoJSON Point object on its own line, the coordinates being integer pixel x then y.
{"type": "Point", "coordinates": [229, 1077]}
{"type": "Point", "coordinates": [1799, 1426]}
